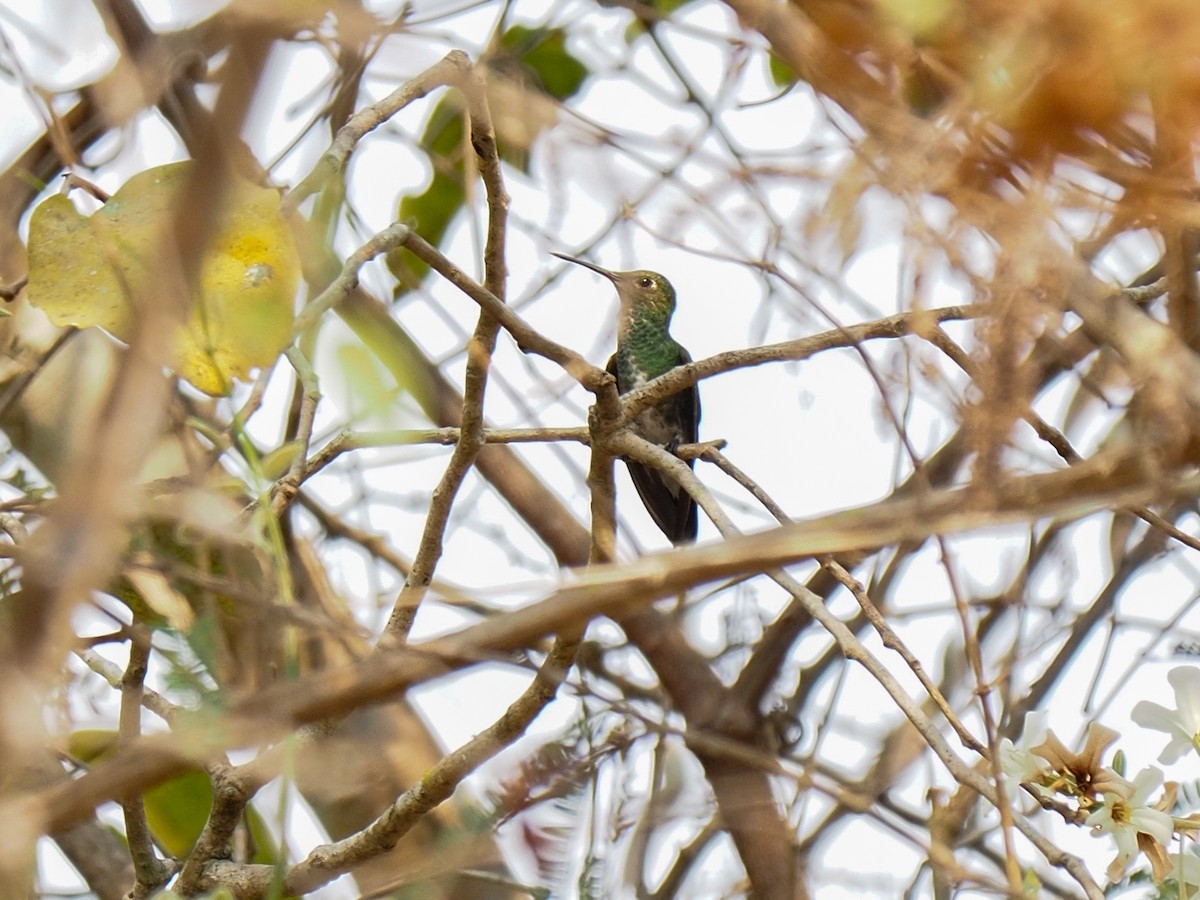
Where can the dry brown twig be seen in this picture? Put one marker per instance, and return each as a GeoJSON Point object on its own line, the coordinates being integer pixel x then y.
{"type": "Point", "coordinates": [729, 726]}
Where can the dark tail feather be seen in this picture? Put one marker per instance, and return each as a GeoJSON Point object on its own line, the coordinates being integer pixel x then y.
{"type": "Point", "coordinates": [671, 507]}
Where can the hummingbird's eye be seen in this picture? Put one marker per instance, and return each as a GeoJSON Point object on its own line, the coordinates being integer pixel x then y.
{"type": "Point", "coordinates": [646, 281]}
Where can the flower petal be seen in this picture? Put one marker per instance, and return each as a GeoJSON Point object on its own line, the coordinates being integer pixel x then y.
{"type": "Point", "coordinates": [1176, 748]}
{"type": "Point", "coordinates": [1100, 818]}
{"type": "Point", "coordinates": [1145, 783]}
{"type": "Point", "coordinates": [1153, 822]}
{"type": "Point", "coordinates": [1186, 681]}
{"type": "Point", "coordinates": [1156, 717]}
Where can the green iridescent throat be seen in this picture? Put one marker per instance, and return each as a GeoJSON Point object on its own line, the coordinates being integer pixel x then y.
{"type": "Point", "coordinates": [646, 347]}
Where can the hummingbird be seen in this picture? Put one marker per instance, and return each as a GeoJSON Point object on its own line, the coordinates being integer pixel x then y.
{"type": "Point", "coordinates": [646, 350]}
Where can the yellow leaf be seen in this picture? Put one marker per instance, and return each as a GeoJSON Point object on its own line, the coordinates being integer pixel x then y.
{"type": "Point", "coordinates": [83, 270]}
{"type": "Point", "coordinates": [70, 278]}
{"type": "Point", "coordinates": [91, 745]}
{"type": "Point", "coordinates": [276, 463]}
{"type": "Point", "coordinates": [156, 590]}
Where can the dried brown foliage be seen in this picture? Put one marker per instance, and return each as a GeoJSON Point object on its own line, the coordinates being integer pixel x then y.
{"type": "Point", "coordinates": [1033, 160]}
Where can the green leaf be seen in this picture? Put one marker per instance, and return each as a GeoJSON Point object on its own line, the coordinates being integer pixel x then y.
{"type": "Point", "coordinates": [529, 73]}
{"type": "Point", "coordinates": [176, 809]}
{"type": "Point", "coordinates": [543, 53]}
{"type": "Point", "coordinates": [370, 395]}
{"type": "Point", "coordinates": [429, 214]}
{"type": "Point", "coordinates": [781, 73]}
{"type": "Point", "coordinates": [924, 92]}
{"type": "Point", "coordinates": [664, 9]}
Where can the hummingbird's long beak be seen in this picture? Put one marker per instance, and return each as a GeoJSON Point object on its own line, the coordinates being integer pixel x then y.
{"type": "Point", "coordinates": [587, 265]}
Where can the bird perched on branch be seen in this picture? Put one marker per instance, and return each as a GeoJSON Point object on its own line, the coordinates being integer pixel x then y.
{"type": "Point", "coordinates": [646, 350]}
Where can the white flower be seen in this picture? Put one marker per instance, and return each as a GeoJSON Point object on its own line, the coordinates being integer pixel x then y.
{"type": "Point", "coordinates": [1182, 723]}
{"type": "Point", "coordinates": [1126, 813]}
{"type": "Point", "coordinates": [1016, 760]}
{"type": "Point", "coordinates": [1185, 872]}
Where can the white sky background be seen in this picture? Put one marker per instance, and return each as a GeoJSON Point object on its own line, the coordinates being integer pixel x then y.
{"type": "Point", "coordinates": [812, 434]}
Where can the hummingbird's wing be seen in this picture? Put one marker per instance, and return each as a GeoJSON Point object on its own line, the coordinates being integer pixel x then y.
{"type": "Point", "coordinates": [688, 401]}
{"type": "Point", "coordinates": [671, 507]}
